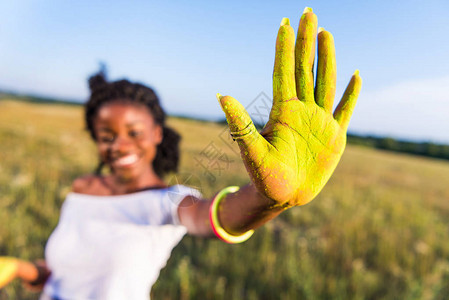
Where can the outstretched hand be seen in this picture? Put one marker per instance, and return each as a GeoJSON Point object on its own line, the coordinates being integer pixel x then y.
{"type": "Point", "coordinates": [295, 154]}
{"type": "Point", "coordinates": [8, 270]}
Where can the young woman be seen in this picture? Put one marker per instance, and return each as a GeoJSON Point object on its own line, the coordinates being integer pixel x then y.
{"type": "Point", "coordinates": [116, 231]}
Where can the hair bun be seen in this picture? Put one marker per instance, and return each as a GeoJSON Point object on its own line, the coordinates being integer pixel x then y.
{"type": "Point", "coordinates": [97, 81]}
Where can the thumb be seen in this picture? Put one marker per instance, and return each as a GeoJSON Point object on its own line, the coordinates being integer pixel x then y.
{"type": "Point", "coordinates": [253, 146]}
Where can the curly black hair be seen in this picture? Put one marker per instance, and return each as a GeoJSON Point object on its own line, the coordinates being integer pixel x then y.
{"type": "Point", "coordinates": [102, 92]}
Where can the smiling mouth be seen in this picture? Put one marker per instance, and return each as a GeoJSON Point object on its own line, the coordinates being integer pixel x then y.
{"type": "Point", "coordinates": [125, 161]}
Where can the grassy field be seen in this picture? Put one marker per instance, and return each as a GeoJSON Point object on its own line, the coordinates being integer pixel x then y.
{"type": "Point", "coordinates": [379, 229]}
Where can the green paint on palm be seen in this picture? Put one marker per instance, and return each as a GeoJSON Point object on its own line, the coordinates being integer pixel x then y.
{"type": "Point", "coordinates": [295, 154]}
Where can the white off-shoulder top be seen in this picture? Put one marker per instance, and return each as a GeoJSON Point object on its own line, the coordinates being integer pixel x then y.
{"type": "Point", "coordinates": [113, 247]}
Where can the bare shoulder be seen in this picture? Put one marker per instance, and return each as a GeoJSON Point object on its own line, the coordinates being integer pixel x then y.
{"type": "Point", "coordinates": [87, 184]}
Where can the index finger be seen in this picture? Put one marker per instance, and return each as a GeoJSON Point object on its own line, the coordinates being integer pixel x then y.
{"type": "Point", "coordinates": [305, 55]}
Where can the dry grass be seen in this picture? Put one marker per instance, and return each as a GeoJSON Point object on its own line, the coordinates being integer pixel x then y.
{"type": "Point", "coordinates": [379, 229]}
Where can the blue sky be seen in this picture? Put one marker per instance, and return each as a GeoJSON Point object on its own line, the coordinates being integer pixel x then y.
{"type": "Point", "coordinates": [190, 50]}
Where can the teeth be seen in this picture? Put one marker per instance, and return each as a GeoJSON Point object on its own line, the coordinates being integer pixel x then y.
{"type": "Point", "coordinates": [126, 160]}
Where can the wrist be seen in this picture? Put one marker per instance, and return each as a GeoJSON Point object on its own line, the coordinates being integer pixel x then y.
{"type": "Point", "coordinates": [32, 273]}
{"type": "Point", "coordinates": [217, 228]}
{"type": "Point", "coordinates": [42, 275]}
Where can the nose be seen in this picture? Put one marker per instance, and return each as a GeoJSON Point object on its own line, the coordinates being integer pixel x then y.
{"type": "Point", "coordinates": [121, 144]}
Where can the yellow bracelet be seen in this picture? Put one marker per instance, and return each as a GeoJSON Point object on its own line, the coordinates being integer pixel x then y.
{"type": "Point", "coordinates": [216, 227]}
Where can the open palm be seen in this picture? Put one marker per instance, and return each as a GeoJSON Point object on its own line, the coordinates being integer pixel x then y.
{"type": "Point", "coordinates": [295, 154]}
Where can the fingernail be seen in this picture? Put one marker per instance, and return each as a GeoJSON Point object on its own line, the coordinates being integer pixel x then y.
{"type": "Point", "coordinates": [307, 10]}
{"type": "Point", "coordinates": [356, 72]}
{"type": "Point", "coordinates": [285, 21]}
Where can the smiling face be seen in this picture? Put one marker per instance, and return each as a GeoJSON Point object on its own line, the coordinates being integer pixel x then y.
{"type": "Point", "coordinates": [127, 138]}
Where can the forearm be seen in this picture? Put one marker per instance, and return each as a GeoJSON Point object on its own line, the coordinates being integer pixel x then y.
{"type": "Point", "coordinates": [33, 275]}
{"type": "Point", "coordinates": [246, 209]}
{"type": "Point", "coordinates": [27, 271]}
{"type": "Point", "coordinates": [237, 212]}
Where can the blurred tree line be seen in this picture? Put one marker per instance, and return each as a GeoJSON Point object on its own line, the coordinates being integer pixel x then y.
{"type": "Point", "coordinates": [387, 143]}
{"type": "Point", "coordinates": [426, 148]}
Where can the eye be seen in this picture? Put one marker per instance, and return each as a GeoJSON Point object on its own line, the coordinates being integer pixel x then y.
{"type": "Point", "coordinates": [106, 139]}
{"type": "Point", "coordinates": [135, 133]}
